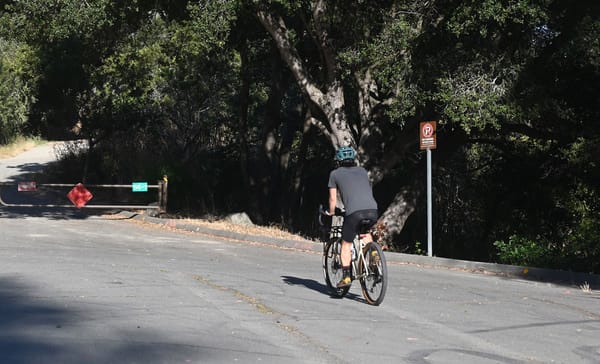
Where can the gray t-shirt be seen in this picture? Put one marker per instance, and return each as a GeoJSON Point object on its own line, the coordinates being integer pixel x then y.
{"type": "Point", "coordinates": [354, 188]}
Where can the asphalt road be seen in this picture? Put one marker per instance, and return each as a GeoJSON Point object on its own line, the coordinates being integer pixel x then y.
{"type": "Point", "coordinates": [31, 161]}
{"type": "Point", "coordinates": [83, 288]}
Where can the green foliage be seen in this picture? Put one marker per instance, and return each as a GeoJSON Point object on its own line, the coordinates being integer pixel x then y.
{"type": "Point", "coordinates": [171, 77]}
{"type": "Point", "coordinates": [498, 16]}
{"type": "Point", "coordinates": [571, 244]}
{"type": "Point", "coordinates": [170, 86]}
{"type": "Point", "coordinates": [53, 21]}
{"type": "Point", "coordinates": [582, 242]}
{"type": "Point", "coordinates": [472, 101]}
{"type": "Point", "coordinates": [419, 249]}
{"type": "Point", "coordinates": [522, 251]}
{"type": "Point", "coordinates": [18, 77]}
{"type": "Point", "coordinates": [68, 37]}
{"type": "Point", "coordinates": [195, 89]}
{"type": "Point", "coordinates": [387, 58]}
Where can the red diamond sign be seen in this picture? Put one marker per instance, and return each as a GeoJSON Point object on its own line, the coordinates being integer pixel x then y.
{"type": "Point", "coordinates": [79, 195]}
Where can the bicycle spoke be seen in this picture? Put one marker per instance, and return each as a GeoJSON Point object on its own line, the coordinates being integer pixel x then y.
{"type": "Point", "coordinates": [374, 283]}
{"type": "Point", "coordinates": [332, 269]}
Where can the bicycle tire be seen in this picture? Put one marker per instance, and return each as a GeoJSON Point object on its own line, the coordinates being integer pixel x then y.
{"type": "Point", "coordinates": [373, 279]}
{"type": "Point", "coordinates": [332, 269]}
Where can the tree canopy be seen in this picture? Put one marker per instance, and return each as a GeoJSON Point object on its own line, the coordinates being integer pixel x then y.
{"type": "Point", "coordinates": [243, 102]}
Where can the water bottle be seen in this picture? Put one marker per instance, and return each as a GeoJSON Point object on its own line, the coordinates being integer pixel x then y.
{"type": "Point", "coordinates": [354, 255]}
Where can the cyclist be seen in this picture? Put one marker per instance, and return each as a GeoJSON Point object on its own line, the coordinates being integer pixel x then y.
{"type": "Point", "coordinates": [352, 184]}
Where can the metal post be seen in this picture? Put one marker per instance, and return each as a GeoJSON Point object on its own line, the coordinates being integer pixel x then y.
{"type": "Point", "coordinates": [429, 212]}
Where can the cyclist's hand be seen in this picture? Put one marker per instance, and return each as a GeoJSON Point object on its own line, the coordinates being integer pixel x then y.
{"type": "Point", "coordinates": [326, 212]}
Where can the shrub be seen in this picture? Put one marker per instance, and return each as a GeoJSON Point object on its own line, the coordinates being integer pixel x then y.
{"type": "Point", "coordinates": [523, 251]}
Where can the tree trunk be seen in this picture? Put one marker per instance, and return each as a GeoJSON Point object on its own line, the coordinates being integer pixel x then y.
{"type": "Point", "coordinates": [399, 211]}
{"type": "Point", "coordinates": [269, 170]}
{"type": "Point", "coordinates": [331, 102]}
{"type": "Point", "coordinates": [297, 182]}
{"type": "Point", "coordinates": [243, 119]}
{"type": "Point", "coordinates": [328, 98]}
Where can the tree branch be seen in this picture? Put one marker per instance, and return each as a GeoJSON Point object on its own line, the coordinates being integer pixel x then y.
{"type": "Point", "coordinates": [275, 25]}
{"type": "Point", "coordinates": [319, 10]}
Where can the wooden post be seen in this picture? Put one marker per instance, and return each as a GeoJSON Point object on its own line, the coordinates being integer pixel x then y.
{"type": "Point", "coordinates": [162, 195]}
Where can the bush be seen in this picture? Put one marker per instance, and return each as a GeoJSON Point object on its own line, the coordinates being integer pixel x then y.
{"type": "Point", "coordinates": [522, 251]}
{"type": "Point", "coordinates": [17, 79]}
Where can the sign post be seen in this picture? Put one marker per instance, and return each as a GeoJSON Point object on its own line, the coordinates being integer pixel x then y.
{"type": "Point", "coordinates": [428, 141]}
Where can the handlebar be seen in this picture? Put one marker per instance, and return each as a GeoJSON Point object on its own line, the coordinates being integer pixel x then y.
{"type": "Point", "coordinates": [338, 211]}
{"type": "Point", "coordinates": [324, 213]}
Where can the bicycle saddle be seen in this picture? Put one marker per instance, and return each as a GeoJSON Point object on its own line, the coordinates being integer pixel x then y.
{"type": "Point", "coordinates": [365, 225]}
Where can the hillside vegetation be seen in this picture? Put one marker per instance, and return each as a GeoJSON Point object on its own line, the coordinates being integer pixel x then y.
{"type": "Point", "coordinates": [241, 103]}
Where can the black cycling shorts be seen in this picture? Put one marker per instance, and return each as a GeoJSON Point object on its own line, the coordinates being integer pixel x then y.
{"type": "Point", "coordinates": [352, 222]}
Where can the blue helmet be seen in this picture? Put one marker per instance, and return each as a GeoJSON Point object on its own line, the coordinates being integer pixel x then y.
{"type": "Point", "coordinates": [345, 153]}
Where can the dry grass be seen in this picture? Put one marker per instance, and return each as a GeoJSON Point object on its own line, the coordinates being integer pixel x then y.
{"type": "Point", "coordinates": [585, 287]}
{"type": "Point", "coordinates": [19, 146]}
{"type": "Point", "coordinates": [214, 223]}
{"type": "Point", "coordinates": [271, 231]}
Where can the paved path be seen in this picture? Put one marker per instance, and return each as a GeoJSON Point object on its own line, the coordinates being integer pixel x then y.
{"type": "Point", "coordinates": [113, 289]}
{"type": "Point", "coordinates": [98, 290]}
{"type": "Point", "coordinates": [31, 161]}
{"type": "Point", "coordinates": [572, 279]}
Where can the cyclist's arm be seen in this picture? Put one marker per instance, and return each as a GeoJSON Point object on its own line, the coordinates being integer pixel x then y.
{"type": "Point", "coordinates": [332, 200]}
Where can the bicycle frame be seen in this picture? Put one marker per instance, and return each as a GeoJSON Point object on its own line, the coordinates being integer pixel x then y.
{"type": "Point", "coordinates": [360, 257]}
{"type": "Point", "coordinates": [359, 246]}
{"type": "Point", "coordinates": [370, 271]}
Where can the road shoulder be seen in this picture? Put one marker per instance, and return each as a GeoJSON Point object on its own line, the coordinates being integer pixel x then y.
{"type": "Point", "coordinates": [559, 277]}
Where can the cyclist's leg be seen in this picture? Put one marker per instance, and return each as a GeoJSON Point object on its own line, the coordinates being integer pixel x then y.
{"type": "Point", "coordinates": [348, 233]}
{"type": "Point", "coordinates": [366, 238]}
{"type": "Point", "coordinates": [346, 258]}
{"type": "Point", "coordinates": [346, 253]}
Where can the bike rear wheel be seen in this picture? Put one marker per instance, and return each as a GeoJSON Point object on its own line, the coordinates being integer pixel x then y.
{"type": "Point", "coordinates": [332, 268]}
{"type": "Point", "coordinates": [373, 273]}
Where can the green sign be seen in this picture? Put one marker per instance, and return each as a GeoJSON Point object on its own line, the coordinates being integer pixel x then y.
{"type": "Point", "coordinates": [139, 186]}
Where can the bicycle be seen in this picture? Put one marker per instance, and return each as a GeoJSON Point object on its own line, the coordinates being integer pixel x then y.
{"type": "Point", "coordinates": [368, 262]}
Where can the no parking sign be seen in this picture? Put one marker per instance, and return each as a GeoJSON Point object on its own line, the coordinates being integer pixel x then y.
{"type": "Point", "coordinates": [427, 135]}
{"type": "Point", "coordinates": [427, 141]}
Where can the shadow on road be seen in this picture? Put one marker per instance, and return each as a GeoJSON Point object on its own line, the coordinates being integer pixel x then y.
{"type": "Point", "coordinates": [51, 201]}
{"type": "Point", "coordinates": [13, 172]}
{"type": "Point", "coordinates": [317, 286]}
{"type": "Point", "coordinates": [33, 329]}
{"type": "Point", "coordinates": [50, 213]}
{"type": "Point", "coordinates": [26, 170]}
{"type": "Point", "coordinates": [10, 195]}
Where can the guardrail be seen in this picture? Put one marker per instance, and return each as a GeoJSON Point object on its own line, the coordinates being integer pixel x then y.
{"type": "Point", "coordinates": [80, 195]}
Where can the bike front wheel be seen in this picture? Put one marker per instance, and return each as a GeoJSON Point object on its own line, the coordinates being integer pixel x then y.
{"type": "Point", "coordinates": [332, 268]}
{"type": "Point", "coordinates": [373, 273]}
